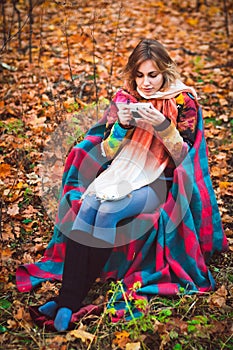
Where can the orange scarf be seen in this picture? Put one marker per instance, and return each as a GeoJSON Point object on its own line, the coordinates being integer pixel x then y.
{"type": "Point", "coordinates": [140, 162]}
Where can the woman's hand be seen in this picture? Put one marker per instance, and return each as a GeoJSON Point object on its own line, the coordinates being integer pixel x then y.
{"type": "Point", "coordinates": [125, 117]}
{"type": "Point", "coordinates": [152, 115]}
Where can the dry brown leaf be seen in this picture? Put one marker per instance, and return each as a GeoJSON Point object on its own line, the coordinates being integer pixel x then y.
{"type": "Point", "coordinates": [230, 241]}
{"type": "Point", "coordinates": [5, 170]}
{"type": "Point", "coordinates": [208, 113]}
{"type": "Point", "coordinates": [133, 346]}
{"type": "Point", "coordinates": [19, 315]}
{"type": "Point", "coordinates": [99, 300]}
{"type": "Point", "coordinates": [121, 339]}
{"type": "Point", "coordinates": [27, 259]}
{"type": "Point", "coordinates": [81, 334]}
{"type": "Point", "coordinates": [7, 233]}
{"type": "Point", "coordinates": [217, 171]}
{"type": "Point", "coordinates": [6, 253]}
{"type": "Point", "coordinates": [227, 218]}
{"type": "Point", "coordinates": [11, 324]}
{"type": "Point", "coordinates": [57, 340]}
{"type": "Point", "coordinates": [229, 232]}
{"type": "Point", "coordinates": [13, 210]}
{"type": "Point", "coordinates": [209, 88]}
{"type": "Point", "coordinates": [29, 211]}
{"type": "Point", "coordinates": [218, 298]}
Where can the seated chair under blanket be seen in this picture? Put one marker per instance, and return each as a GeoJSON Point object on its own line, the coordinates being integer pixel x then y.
{"type": "Point", "coordinates": [174, 244]}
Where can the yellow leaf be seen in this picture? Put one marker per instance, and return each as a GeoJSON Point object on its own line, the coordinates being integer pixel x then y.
{"type": "Point", "coordinates": [209, 88]}
{"type": "Point", "coordinates": [81, 334]}
{"type": "Point", "coordinates": [192, 21]}
{"type": "Point", "coordinates": [122, 338]}
{"type": "Point", "coordinates": [5, 170]}
{"type": "Point", "coordinates": [224, 184]}
{"type": "Point", "coordinates": [6, 254]}
{"type": "Point", "coordinates": [20, 185]}
{"type": "Point", "coordinates": [133, 346]}
{"type": "Point", "coordinates": [213, 10]}
{"type": "Point", "coordinates": [208, 114]}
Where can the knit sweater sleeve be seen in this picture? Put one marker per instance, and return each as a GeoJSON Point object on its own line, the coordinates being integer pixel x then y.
{"type": "Point", "coordinates": [180, 137]}
{"type": "Point", "coordinates": [117, 137]}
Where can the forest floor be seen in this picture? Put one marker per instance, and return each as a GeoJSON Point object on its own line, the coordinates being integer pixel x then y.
{"type": "Point", "coordinates": [55, 84]}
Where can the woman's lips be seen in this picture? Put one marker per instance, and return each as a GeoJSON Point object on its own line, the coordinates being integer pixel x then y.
{"type": "Point", "coordinates": [147, 90]}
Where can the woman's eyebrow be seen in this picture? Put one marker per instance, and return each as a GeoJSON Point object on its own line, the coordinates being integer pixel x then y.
{"type": "Point", "coordinates": [153, 71]}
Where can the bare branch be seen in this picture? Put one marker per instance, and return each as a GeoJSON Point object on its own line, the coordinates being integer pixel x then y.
{"type": "Point", "coordinates": [94, 63]}
{"type": "Point", "coordinates": [109, 89]}
{"type": "Point", "coordinates": [68, 51]}
{"type": "Point", "coordinates": [4, 24]}
{"type": "Point", "coordinates": [226, 17]}
{"type": "Point", "coordinates": [19, 23]}
{"type": "Point", "coordinates": [30, 30]}
{"type": "Point", "coordinates": [10, 37]}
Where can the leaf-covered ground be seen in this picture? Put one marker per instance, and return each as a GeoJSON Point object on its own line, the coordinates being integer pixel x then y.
{"type": "Point", "coordinates": [54, 85]}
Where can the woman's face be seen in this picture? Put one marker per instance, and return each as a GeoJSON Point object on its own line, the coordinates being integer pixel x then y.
{"type": "Point", "coordinates": [148, 79]}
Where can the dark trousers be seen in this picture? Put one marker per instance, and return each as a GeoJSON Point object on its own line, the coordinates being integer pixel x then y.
{"type": "Point", "coordinates": [82, 266]}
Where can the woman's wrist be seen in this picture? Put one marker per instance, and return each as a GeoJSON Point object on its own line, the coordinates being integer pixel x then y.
{"type": "Point", "coordinates": [123, 126]}
{"type": "Point", "coordinates": [162, 126]}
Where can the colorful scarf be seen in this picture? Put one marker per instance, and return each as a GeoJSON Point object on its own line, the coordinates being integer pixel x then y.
{"type": "Point", "coordinates": [143, 159]}
{"type": "Point", "coordinates": [171, 256]}
{"type": "Point", "coordinates": [140, 162]}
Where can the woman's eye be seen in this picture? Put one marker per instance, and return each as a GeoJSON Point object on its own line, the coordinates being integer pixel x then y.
{"type": "Point", "coordinates": [153, 75]}
{"type": "Point", "coordinates": [139, 75]}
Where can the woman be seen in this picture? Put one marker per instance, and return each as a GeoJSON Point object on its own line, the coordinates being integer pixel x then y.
{"type": "Point", "coordinates": [145, 194]}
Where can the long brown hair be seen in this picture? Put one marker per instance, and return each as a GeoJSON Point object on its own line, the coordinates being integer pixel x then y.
{"type": "Point", "coordinates": [150, 49]}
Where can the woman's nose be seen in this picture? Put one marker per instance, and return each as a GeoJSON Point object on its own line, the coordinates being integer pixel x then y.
{"type": "Point", "coordinates": [146, 80]}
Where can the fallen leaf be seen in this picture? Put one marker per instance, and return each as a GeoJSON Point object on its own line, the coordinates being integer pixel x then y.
{"type": "Point", "coordinates": [6, 253]}
{"type": "Point", "coordinates": [5, 170]}
{"type": "Point", "coordinates": [81, 334]}
{"type": "Point", "coordinates": [209, 88]}
{"type": "Point", "coordinates": [99, 300]}
{"type": "Point", "coordinates": [11, 324]}
{"type": "Point", "coordinates": [13, 210]}
{"type": "Point", "coordinates": [218, 298]}
{"type": "Point", "coordinates": [133, 346]}
{"type": "Point", "coordinates": [121, 339]}
{"type": "Point", "coordinates": [19, 315]}
{"type": "Point", "coordinates": [29, 211]}
{"type": "Point", "coordinates": [55, 341]}
{"type": "Point", "coordinates": [193, 21]}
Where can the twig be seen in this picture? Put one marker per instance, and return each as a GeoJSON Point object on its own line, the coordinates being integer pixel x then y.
{"type": "Point", "coordinates": [19, 23]}
{"type": "Point", "coordinates": [30, 30]}
{"type": "Point", "coordinates": [226, 17]}
{"type": "Point", "coordinates": [68, 50]}
{"type": "Point", "coordinates": [191, 306]}
{"type": "Point", "coordinates": [97, 328]}
{"type": "Point", "coordinates": [41, 36]}
{"type": "Point", "coordinates": [229, 64]}
{"type": "Point", "coordinates": [224, 345]}
{"type": "Point", "coordinates": [94, 64]}
{"type": "Point", "coordinates": [128, 305]}
{"type": "Point", "coordinates": [69, 59]}
{"type": "Point", "coordinates": [11, 22]}
{"type": "Point", "coordinates": [114, 51]}
{"type": "Point", "coordinates": [188, 52]}
{"type": "Point", "coordinates": [4, 24]}
{"type": "Point", "coordinates": [10, 37]}
{"type": "Point", "coordinates": [1, 204]}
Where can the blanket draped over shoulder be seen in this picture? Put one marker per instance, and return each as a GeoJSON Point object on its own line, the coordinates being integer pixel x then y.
{"type": "Point", "coordinates": [179, 239]}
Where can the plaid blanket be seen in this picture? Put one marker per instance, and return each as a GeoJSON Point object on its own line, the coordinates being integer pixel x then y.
{"type": "Point", "coordinates": [177, 241]}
